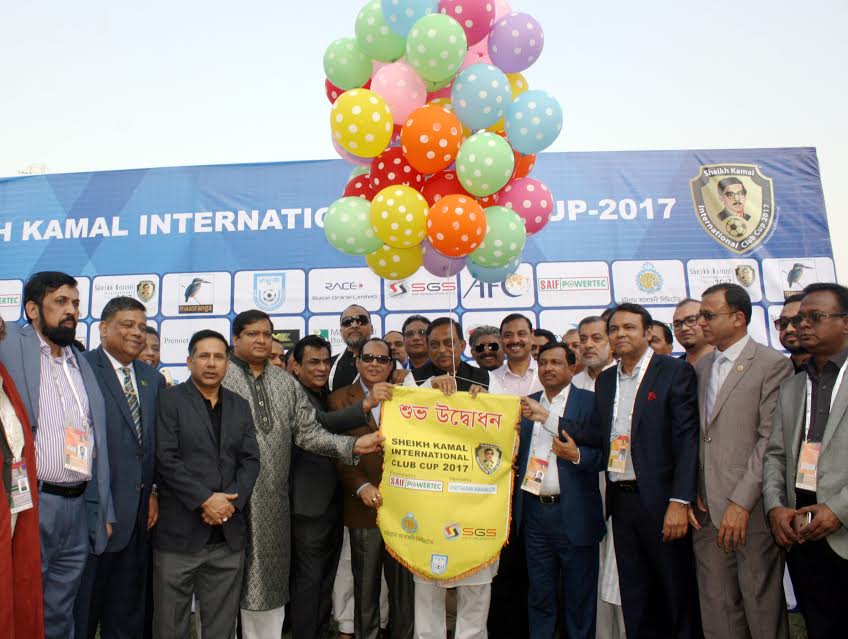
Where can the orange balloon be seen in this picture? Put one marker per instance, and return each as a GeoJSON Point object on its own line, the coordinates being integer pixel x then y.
{"type": "Point", "coordinates": [430, 138]}
{"type": "Point", "coordinates": [456, 225]}
{"type": "Point", "coordinates": [523, 165]}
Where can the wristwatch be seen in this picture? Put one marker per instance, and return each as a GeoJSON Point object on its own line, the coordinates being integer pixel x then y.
{"type": "Point", "coordinates": [154, 490]}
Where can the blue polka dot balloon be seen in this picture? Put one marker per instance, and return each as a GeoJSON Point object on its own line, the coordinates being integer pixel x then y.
{"type": "Point", "coordinates": [533, 121]}
{"type": "Point", "coordinates": [480, 95]}
{"type": "Point", "coordinates": [493, 274]}
{"type": "Point", "coordinates": [400, 15]}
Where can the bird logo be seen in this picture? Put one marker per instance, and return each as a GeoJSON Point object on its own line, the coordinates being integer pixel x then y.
{"type": "Point", "coordinates": [795, 274]}
{"type": "Point", "coordinates": [193, 289]}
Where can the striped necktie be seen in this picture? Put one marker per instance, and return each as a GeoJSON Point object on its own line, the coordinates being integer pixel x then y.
{"type": "Point", "coordinates": [132, 401]}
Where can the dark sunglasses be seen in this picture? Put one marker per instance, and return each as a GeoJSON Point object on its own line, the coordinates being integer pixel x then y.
{"type": "Point", "coordinates": [782, 323]}
{"type": "Point", "coordinates": [413, 332]}
{"type": "Point", "coordinates": [813, 318]}
{"type": "Point", "coordinates": [368, 358]}
{"type": "Point", "coordinates": [360, 320]}
{"type": "Point", "coordinates": [494, 347]}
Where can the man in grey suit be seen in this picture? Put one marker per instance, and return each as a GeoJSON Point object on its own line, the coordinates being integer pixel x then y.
{"type": "Point", "coordinates": [65, 407]}
{"type": "Point", "coordinates": [739, 567]}
{"type": "Point", "coordinates": [805, 480]}
{"type": "Point", "coordinates": [113, 590]}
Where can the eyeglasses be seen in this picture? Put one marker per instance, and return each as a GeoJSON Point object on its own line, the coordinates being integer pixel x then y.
{"type": "Point", "coordinates": [689, 320]}
{"type": "Point", "coordinates": [813, 318]}
{"type": "Point", "coordinates": [709, 316]}
{"type": "Point", "coordinates": [361, 320]}
{"type": "Point", "coordinates": [368, 358]}
{"type": "Point", "coordinates": [415, 332]}
{"type": "Point", "coordinates": [782, 323]}
{"type": "Point", "coordinates": [737, 195]}
{"type": "Point", "coordinates": [493, 347]}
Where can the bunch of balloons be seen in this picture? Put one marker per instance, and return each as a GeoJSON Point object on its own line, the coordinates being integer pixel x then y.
{"type": "Point", "coordinates": [430, 102]}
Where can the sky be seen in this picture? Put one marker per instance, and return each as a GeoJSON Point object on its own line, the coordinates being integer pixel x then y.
{"type": "Point", "coordinates": [101, 85]}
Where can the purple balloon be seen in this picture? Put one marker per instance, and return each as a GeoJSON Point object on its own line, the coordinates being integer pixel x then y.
{"type": "Point", "coordinates": [441, 265]}
{"type": "Point", "coordinates": [350, 157]}
{"type": "Point", "coordinates": [515, 42]}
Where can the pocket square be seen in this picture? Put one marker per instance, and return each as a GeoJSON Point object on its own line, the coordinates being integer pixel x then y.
{"type": "Point", "coordinates": [652, 396]}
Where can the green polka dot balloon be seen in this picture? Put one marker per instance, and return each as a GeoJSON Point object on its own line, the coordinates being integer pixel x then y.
{"type": "Point", "coordinates": [374, 36]}
{"type": "Point", "coordinates": [435, 47]}
{"type": "Point", "coordinates": [484, 163]}
{"type": "Point", "coordinates": [346, 65]}
{"type": "Point", "coordinates": [504, 239]}
{"type": "Point", "coordinates": [347, 225]}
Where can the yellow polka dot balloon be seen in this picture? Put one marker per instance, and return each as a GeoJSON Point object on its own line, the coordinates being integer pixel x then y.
{"type": "Point", "coordinates": [399, 216]}
{"type": "Point", "coordinates": [392, 263]}
{"type": "Point", "coordinates": [361, 123]}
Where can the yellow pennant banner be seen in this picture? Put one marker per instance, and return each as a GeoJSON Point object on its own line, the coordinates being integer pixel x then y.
{"type": "Point", "coordinates": [447, 479]}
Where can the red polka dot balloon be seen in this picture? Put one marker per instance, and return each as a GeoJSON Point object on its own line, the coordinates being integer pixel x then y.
{"type": "Point", "coordinates": [456, 225]}
{"type": "Point", "coordinates": [333, 92]}
{"type": "Point", "coordinates": [441, 184]}
{"type": "Point", "coordinates": [531, 199]}
{"type": "Point", "coordinates": [359, 186]}
{"type": "Point", "coordinates": [391, 168]}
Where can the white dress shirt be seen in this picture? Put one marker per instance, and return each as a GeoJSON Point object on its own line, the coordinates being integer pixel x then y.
{"type": "Point", "coordinates": [628, 388]}
{"type": "Point", "coordinates": [502, 381]}
{"type": "Point", "coordinates": [583, 381]}
{"type": "Point", "coordinates": [120, 373]}
{"type": "Point", "coordinates": [543, 436]}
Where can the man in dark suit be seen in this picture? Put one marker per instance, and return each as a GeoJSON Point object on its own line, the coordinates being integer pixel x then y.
{"type": "Point", "coordinates": [316, 498]}
{"type": "Point", "coordinates": [208, 461]}
{"type": "Point", "coordinates": [646, 407]}
{"type": "Point", "coordinates": [113, 592]}
{"type": "Point", "coordinates": [356, 327]}
{"type": "Point", "coordinates": [64, 406]}
{"type": "Point", "coordinates": [561, 515]}
{"type": "Point", "coordinates": [446, 370]}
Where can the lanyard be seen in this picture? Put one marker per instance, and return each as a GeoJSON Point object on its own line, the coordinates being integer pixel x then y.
{"type": "Point", "coordinates": [642, 370]}
{"type": "Point", "coordinates": [809, 399]}
{"type": "Point", "coordinates": [67, 373]}
{"type": "Point", "coordinates": [556, 409]}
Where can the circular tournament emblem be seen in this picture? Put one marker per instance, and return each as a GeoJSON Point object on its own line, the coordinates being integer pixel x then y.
{"type": "Point", "coordinates": [736, 228]}
{"type": "Point", "coordinates": [517, 284]}
{"type": "Point", "coordinates": [649, 279]}
{"type": "Point", "coordinates": [409, 523]}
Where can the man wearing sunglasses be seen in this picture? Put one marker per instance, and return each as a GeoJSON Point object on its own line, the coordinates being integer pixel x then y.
{"type": "Point", "coordinates": [688, 332]}
{"type": "Point", "coordinates": [789, 335]}
{"type": "Point", "coordinates": [414, 331]}
{"type": "Point", "coordinates": [739, 567]}
{"type": "Point", "coordinates": [356, 328]}
{"type": "Point", "coordinates": [485, 343]}
{"type": "Point", "coordinates": [805, 477]}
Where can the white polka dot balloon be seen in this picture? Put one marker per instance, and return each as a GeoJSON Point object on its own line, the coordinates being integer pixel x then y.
{"type": "Point", "coordinates": [516, 42]}
{"type": "Point", "coordinates": [475, 16]}
{"type": "Point", "coordinates": [531, 199]}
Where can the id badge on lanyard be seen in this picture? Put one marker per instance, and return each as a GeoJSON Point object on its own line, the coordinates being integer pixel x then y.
{"type": "Point", "coordinates": [620, 442]}
{"type": "Point", "coordinates": [78, 451]}
{"type": "Point", "coordinates": [21, 497]}
{"type": "Point", "coordinates": [808, 458]}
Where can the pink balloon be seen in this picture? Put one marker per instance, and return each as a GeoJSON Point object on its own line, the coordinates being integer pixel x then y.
{"type": "Point", "coordinates": [531, 199]}
{"type": "Point", "coordinates": [502, 9]}
{"type": "Point", "coordinates": [402, 89]}
{"type": "Point", "coordinates": [441, 265]}
{"type": "Point", "coordinates": [350, 157]}
{"type": "Point", "coordinates": [472, 57]}
{"type": "Point", "coordinates": [475, 16]}
{"type": "Point", "coordinates": [481, 48]}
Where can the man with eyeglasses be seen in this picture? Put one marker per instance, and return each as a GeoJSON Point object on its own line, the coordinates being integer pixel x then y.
{"type": "Point", "coordinates": [283, 415]}
{"type": "Point", "coordinates": [805, 476]}
{"type": "Point", "coordinates": [485, 344]}
{"type": "Point", "coordinates": [688, 332]}
{"type": "Point", "coordinates": [414, 331]}
{"type": "Point", "coordinates": [595, 349]}
{"type": "Point", "coordinates": [395, 341]}
{"type": "Point", "coordinates": [789, 334]}
{"type": "Point", "coordinates": [739, 567]}
{"type": "Point", "coordinates": [355, 322]}
{"type": "Point", "coordinates": [732, 193]}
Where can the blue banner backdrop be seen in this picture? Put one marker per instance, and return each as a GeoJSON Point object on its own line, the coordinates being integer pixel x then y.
{"type": "Point", "coordinates": [199, 244]}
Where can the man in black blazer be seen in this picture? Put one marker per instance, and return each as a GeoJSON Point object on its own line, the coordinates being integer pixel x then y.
{"type": "Point", "coordinates": [113, 592]}
{"type": "Point", "coordinates": [208, 461]}
{"type": "Point", "coordinates": [646, 407]}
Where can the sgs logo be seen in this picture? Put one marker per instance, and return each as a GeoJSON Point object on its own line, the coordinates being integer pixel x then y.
{"type": "Point", "coordinates": [480, 533]}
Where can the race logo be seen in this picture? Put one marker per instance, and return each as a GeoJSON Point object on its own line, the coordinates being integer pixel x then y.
{"type": "Point", "coordinates": [269, 291]}
{"type": "Point", "coordinates": [488, 457]}
{"type": "Point", "coordinates": [145, 290]}
{"type": "Point", "coordinates": [649, 279]}
{"type": "Point", "coordinates": [197, 294]}
{"type": "Point", "coordinates": [452, 531]}
{"type": "Point", "coordinates": [438, 564]}
{"type": "Point", "coordinates": [745, 274]}
{"type": "Point", "coordinates": [734, 204]}
{"type": "Point", "coordinates": [409, 523]}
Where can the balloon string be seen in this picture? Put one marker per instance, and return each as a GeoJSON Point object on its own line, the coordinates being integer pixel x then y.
{"type": "Point", "coordinates": [450, 316]}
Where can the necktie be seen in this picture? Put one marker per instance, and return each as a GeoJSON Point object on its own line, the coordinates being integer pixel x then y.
{"type": "Point", "coordinates": [713, 386]}
{"type": "Point", "coordinates": [132, 401]}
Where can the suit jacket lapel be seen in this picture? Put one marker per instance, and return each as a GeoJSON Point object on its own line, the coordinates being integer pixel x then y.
{"type": "Point", "coordinates": [31, 356]}
{"type": "Point", "coordinates": [115, 387]}
{"type": "Point", "coordinates": [227, 417]}
{"type": "Point", "coordinates": [200, 406]}
{"type": "Point", "coordinates": [642, 392]}
{"type": "Point", "coordinates": [734, 376]}
{"type": "Point", "coordinates": [840, 405]}
{"type": "Point", "coordinates": [356, 394]}
{"type": "Point", "coordinates": [147, 407]}
{"type": "Point", "coordinates": [703, 385]}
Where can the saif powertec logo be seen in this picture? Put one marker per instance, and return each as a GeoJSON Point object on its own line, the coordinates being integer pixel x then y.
{"type": "Point", "coordinates": [574, 284]}
{"type": "Point", "coordinates": [734, 204]}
